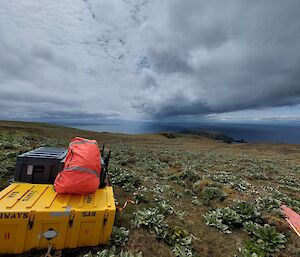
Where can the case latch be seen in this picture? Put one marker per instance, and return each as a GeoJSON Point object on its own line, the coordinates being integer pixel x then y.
{"type": "Point", "coordinates": [71, 219]}
{"type": "Point", "coordinates": [31, 220]}
{"type": "Point", "coordinates": [105, 217]}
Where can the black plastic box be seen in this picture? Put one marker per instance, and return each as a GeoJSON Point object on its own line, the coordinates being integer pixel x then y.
{"type": "Point", "coordinates": [40, 166]}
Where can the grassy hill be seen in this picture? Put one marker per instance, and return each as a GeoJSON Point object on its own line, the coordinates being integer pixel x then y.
{"type": "Point", "coordinates": [193, 196]}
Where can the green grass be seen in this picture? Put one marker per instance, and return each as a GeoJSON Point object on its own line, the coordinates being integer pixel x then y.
{"type": "Point", "coordinates": [193, 176]}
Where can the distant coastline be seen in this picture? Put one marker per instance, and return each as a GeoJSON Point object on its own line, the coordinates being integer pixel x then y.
{"type": "Point", "coordinates": [213, 135]}
{"type": "Point", "coordinates": [255, 132]}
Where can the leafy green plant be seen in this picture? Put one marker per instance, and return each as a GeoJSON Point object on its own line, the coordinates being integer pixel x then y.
{"type": "Point", "coordinates": [164, 207]}
{"type": "Point", "coordinates": [250, 226]}
{"type": "Point", "coordinates": [175, 194]}
{"type": "Point", "coordinates": [113, 253]}
{"type": "Point", "coordinates": [180, 213]}
{"type": "Point", "coordinates": [240, 185]}
{"type": "Point", "coordinates": [107, 253]}
{"type": "Point", "coordinates": [119, 236]}
{"type": "Point", "coordinates": [123, 178]}
{"type": "Point", "coordinates": [195, 201]}
{"type": "Point", "coordinates": [268, 239]}
{"type": "Point", "coordinates": [210, 193]}
{"type": "Point", "coordinates": [246, 210]}
{"type": "Point", "coordinates": [182, 251]}
{"type": "Point", "coordinates": [188, 192]}
{"type": "Point", "coordinates": [139, 198]}
{"type": "Point", "coordinates": [234, 216]}
{"type": "Point", "coordinates": [293, 203]}
{"type": "Point", "coordinates": [230, 216]}
{"type": "Point", "coordinates": [148, 217]}
{"type": "Point", "coordinates": [269, 205]}
{"type": "Point", "coordinates": [175, 235]}
{"type": "Point", "coordinates": [215, 218]}
{"type": "Point", "coordinates": [152, 217]}
{"type": "Point", "coordinates": [251, 250]}
{"type": "Point", "coordinates": [190, 175]}
{"type": "Point", "coordinates": [130, 254]}
{"type": "Point", "coordinates": [246, 214]}
{"type": "Point", "coordinates": [235, 182]}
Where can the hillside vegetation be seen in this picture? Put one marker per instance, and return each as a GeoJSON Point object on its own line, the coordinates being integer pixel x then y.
{"type": "Point", "coordinates": [193, 196]}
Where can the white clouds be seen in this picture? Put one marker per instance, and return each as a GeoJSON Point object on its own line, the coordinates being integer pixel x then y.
{"type": "Point", "coordinates": [55, 54]}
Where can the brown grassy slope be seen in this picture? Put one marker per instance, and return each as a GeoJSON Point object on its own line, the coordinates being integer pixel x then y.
{"type": "Point", "coordinates": [169, 168]}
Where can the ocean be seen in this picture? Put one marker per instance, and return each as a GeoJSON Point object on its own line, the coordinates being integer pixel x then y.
{"type": "Point", "coordinates": [274, 132]}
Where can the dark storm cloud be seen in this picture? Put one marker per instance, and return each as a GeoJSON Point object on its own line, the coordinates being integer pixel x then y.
{"type": "Point", "coordinates": [228, 56]}
{"type": "Point", "coordinates": [179, 105]}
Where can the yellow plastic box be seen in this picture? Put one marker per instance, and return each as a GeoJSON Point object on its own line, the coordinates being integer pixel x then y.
{"type": "Point", "coordinates": [32, 216]}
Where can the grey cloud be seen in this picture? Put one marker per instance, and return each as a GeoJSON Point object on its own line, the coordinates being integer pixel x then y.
{"type": "Point", "coordinates": [167, 61]}
{"type": "Point", "coordinates": [43, 53]}
{"type": "Point", "coordinates": [234, 56]}
{"type": "Point", "coordinates": [177, 105]}
{"type": "Point", "coordinates": [18, 96]}
{"type": "Point", "coordinates": [9, 110]}
{"type": "Point", "coordinates": [149, 81]}
{"type": "Point", "coordinates": [78, 114]}
{"type": "Point", "coordinates": [154, 59]}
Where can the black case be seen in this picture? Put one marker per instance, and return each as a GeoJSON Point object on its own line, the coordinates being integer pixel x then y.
{"type": "Point", "coordinates": [40, 166]}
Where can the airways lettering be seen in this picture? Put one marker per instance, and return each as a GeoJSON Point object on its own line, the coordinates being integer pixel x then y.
{"type": "Point", "coordinates": [14, 215]}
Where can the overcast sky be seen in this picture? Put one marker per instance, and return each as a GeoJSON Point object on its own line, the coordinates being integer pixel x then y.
{"type": "Point", "coordinates": [149, 59]}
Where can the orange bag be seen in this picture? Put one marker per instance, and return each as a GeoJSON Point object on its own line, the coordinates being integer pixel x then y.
{"type": "Point", "coordinates": [82, 168]}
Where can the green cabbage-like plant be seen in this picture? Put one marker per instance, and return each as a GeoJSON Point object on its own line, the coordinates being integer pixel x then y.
{"type": "Point", "coordinates": [113, 253]}
{"type": "Point", "coordinates": [234, 216]}
{"type": "Point", "coordinates": [124, 179]}
{"type": "Point", "coordinates": [267, 203]}
{"type": "Point", "coordinates": [240, 185]}
{"type": "Point", "coordinates": [230, 217]}
{"type": "Point", "coordinates": [250, 227]}
{"type": "Point", "coordinates": [210, 193]}
{"type": "Point", "coordinates": [119, 236]}
{"type": "Point", "coordinates": [268, 238]}
{"type": "Point", "coordinates": [130, 254]}
{"type": "Point", "coordinates": [88, 255]}
{"type": "Point", "coordinates": [182, 251]}
{"type": "Point", "coordinates": [246, 210]}
{"type": "Point", "coordinates": [214, 218]}
{"type": "Point", "coordinates": [153, 219]}
{"type": "Point", "coordinates": [257, 175]}
{"type": "Point", "coordinates": [104, 253]}
{"type": "Point", "coordinates": [177, 235]}
{"type": "Point", "coordinates": [164, 207]}
{"type": "Point", "coordinates": [190, 175]}
{"type": "Point", "coordinates": [148, 217]}
{"type": "Point", "coordinates": [139, 198]}
{"type": "Point", "coordinates": [249, 253]}
{"type": "Point", "coordinates": [107, 253]}
{"type": "Point", "coordinates": [293, 203]}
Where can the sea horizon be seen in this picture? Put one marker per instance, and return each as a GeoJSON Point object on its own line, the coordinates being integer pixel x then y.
{"type": "Point", "coordinates": [250, 131]}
